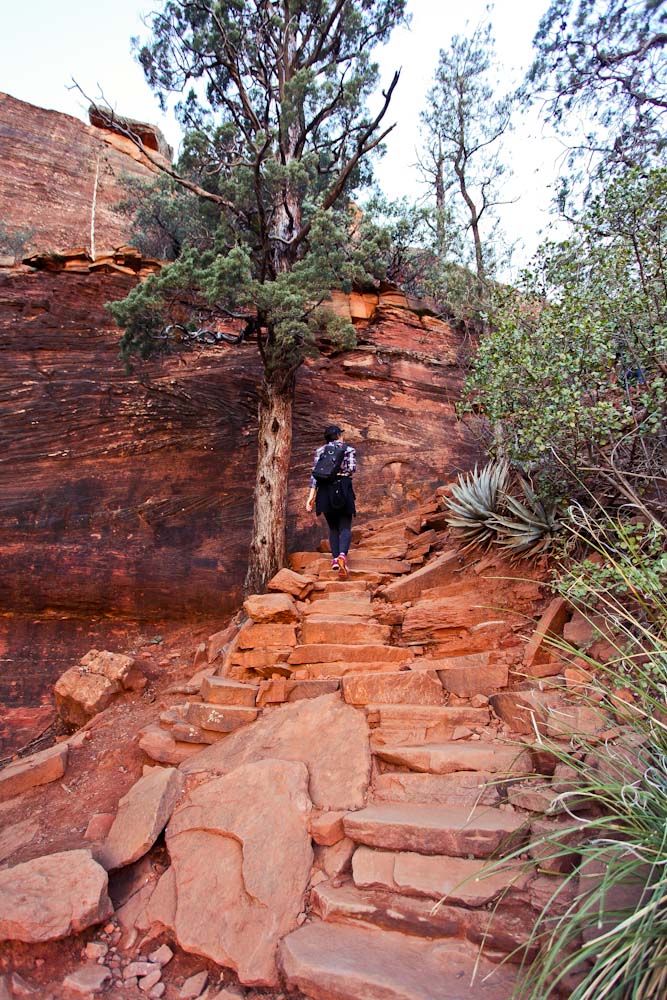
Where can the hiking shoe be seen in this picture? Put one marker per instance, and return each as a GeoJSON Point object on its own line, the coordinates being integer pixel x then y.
{"type": "Point", "coordinates": [342, 566]}
{"type": "Point", "coordinates": [336, 565]}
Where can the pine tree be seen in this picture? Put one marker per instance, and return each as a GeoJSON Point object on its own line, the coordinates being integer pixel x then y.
{"type": "Point", "coordinates": [277, 137]}
{"type": "Point", "coordinates": [462, 124]}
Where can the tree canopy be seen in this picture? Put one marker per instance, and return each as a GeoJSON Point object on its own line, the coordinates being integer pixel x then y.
{"type": "Point", "coordinates": [277, 138]}
{"type": "Point", "coordinates": [601, 65]}
{"type": "Point", "coordinates": [462, 124]}
{"type": "Point", "coordinates": [575, 366]}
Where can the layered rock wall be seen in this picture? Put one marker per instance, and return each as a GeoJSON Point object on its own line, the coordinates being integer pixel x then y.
{"type": "Point", "coordinates": [53, 168]}
{"type": "Point", "coordinates": [132, 494]}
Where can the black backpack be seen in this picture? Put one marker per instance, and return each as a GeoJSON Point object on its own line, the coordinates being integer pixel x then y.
{"type": "Point", "coordinates": [329, 463]}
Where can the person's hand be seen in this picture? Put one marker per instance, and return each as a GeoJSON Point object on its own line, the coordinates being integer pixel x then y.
{"type": "Point", "coordinates": [310, 503]}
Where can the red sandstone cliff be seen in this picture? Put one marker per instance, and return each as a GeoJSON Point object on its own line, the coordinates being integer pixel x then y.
{"type": "Point", "coordinates": [50, 162]}
{"type": "Point", "coordinates": [130, 497]}
{"type": "Point", "coordinates": [133, 494]}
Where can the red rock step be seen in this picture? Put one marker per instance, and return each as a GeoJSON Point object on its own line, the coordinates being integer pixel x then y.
{"type": "Point", "coordinates": [318, 629]}
{"type": "Point", "coordinates": [335, 652]}
{"type": "Point", "coordinates": [313, 562]}
{"type": "Point", "coordinates": [408, 725]}
{"type": "Point", "coordinates": [223, 691]}
{"type": "Point", "coordinates": [445, 758]}
{"type": "Point", "coordinates": [462, 788]}
{"type": "Point", "coordinates": [327, 961]}
{"type": "Point", "coordinates": [344, 604]}
{"type": "Point", "coordinates": [462, 881]}
{"type": "Point", "coordinates": [505, 928]}
{"type": "Point", "coordinates": [436, 829]}
{"type": "Point", "coordinates": [393, 687]}
{"type": "Point", "coordinates": [219, 718]}
{"type": "Point", "coordinates": [341, 589]}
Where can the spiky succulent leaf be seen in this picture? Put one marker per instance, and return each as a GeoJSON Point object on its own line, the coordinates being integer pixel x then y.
{"type": "Point", "coordinates": [477, 499]}
{"type": "Point", "coordinates": [526, 530]}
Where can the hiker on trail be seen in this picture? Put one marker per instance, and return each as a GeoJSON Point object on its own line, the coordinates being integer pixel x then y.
{"type": "Point", "coordinates": [332, 494]}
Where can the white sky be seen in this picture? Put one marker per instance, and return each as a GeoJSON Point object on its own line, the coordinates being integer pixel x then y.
{"type": "Point", "coordinates": [43, 45]}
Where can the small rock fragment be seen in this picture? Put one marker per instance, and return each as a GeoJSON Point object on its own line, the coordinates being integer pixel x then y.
{"type": "Point", "coordinates": [21, 988]}
{"type": "Point", "coordinates": [146, 983]}
{"type": "Point", "coordinates": [95, 950]}
{"type": "Point", "coordinates": [162, 955]}
{"type": "Point", "coordinates": [193, 987]}
{"type": "Point", "coordinates": [88, 979]}
{"type": "Point", "coordinates": [138, 969]}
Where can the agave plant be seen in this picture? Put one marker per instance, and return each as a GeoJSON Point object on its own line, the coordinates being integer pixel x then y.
{"type": "Point", "coordinates": [476, 503]}
{"type": "Point", "coordinates": [526, 530]}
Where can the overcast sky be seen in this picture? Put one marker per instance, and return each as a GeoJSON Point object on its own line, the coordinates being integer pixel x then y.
{"type": "Point", "coordinates": [44, 45]}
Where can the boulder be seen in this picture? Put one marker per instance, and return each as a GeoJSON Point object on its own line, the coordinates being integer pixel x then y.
{"type": "Point", "coordinates": [437, 571]}
{"type": "Point", "coordinates": [116, 667]}
{"type": "Point", "coordinates": [270, 608]}
{"type": "Point", "coordinates": [83, 691]}
{"type": "Point", "coordinates": [141, 817]}
{"type": "Point", "coordinates": [80, 696]}
{"type": "Point", "coordinates": [37, 769]}
{"type": "Point", "coordinates": [267, 636]}
{"type": "Point", "coordinates": [330, 737]}
{"type": "Point", "coordinates": [52, 897]}
{"type": "Point", "coordinates": [289, 582]}
{"type": "Point", "coordinates": [161, 746]}
{"type": "Point", "coordinates": [239, 891]}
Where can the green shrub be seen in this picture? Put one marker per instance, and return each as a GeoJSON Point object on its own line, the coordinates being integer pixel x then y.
{"type": "Point", "coordinates": [611, 941]}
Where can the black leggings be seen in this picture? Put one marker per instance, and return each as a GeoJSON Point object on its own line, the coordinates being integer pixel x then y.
{"type": "Point", "coordinates": [340, 533]}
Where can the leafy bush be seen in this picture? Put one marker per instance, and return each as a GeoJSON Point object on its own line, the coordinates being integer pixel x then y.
{"type": "Point", "coordinates": [574, 370]}
{"type": "Point", "coordinates": [610, 943]}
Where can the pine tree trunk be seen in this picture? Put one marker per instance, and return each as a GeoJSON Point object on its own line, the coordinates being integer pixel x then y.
{"type": "Point", "coordinates": [267, 548]}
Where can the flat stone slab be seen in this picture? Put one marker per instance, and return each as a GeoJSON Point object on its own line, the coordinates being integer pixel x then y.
{"type": "Point", "coordinates": [241, 853]}
{"type": "Point", "coordinates": [462, 788]}
{"type": "Point", "coordinates": [52, 897]}
{"type": "Point", "coordinates": [322, 629]}
{"type": "Point", "coordinates": [407, 725]}
{"type": "Point", "coordinates": [393, 687]}
{"type": "Point", "coordinates": [445, 758]}
{"type": "Point", "coordinates": [338, 962]}
{"type": "Point", "coordinates": [435, 572]}
{"type": "Point", "coordinates": [475, 673]}
{"type": "Point", "coordinates": [454, 880]}
{"type": "Point", "coordinates": [37, 769]}
{"type": "Point", "coordinates": [330, 737]}
{"type": "Point", "coordinates": [331, 652]}
{"type": "Point", "coordinates": [223, 691]}
{"type": "Point", "coordinates": [504, 927]}
{"type": "Point", "coordinates": [219, 718]}
{"type": "Point", "coordinates": [142, 815]}
{"type": "Point", "coordinates": [436, 829]}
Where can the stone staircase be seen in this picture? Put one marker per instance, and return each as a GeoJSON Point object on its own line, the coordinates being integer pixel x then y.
{"type": "Point", "coordinates": [400, 904]}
